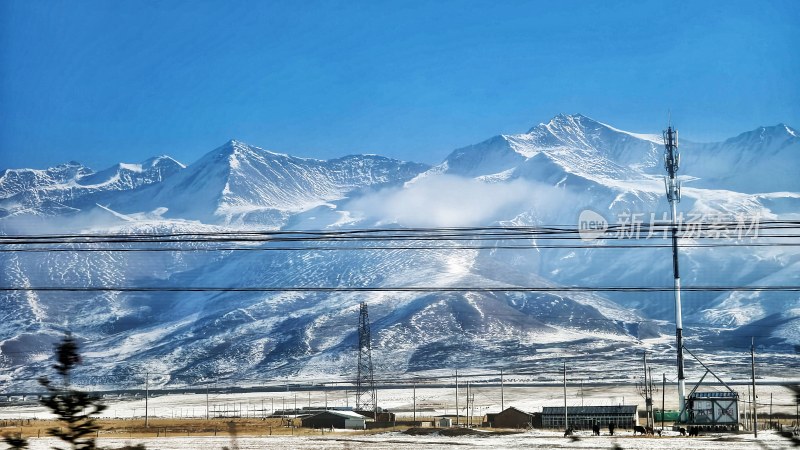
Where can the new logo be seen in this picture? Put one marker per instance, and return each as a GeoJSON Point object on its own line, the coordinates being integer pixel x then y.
{"type": "Point", "coordinates": [591, 225]}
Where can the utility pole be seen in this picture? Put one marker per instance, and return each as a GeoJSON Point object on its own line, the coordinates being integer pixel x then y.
{"type": "Point", "coordinates": [206, 401]}
{"type": "Point", "coordinates": [755, 397]}
{"type": "Point", "coordinates": [456, 396]}
{"type": "Point", "coordinates": [566, 418]}
{"type": "Point", "coordinates": [672, 161]}
{"type": "Point", "coordinates": [146, 396]}
{"type": "Point", "coordinates": [502, 394]}
{"type": "Point", "coordinates": [647, 391]}
{"type": "Point", "coordinates": [652, 400]}
{"type": "Point", "coordinates": [663, 391]}
{"type": "Point", "coordinates": [415, 402]}
{"type": "Point", "coordinates": [467, 410]}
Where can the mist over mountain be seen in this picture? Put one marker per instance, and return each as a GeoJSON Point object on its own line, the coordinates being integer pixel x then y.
{"type": "Point", "coordinates": [545, 176]}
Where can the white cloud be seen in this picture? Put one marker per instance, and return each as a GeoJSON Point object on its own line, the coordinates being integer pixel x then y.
{"type": "Point", "coordinates": [447, 200]}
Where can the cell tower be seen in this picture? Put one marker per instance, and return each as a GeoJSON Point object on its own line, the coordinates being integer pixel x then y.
{"type": "Point", "coordinates": [672, 161]}
{"type": "Point", "coordinates": [365, 383]}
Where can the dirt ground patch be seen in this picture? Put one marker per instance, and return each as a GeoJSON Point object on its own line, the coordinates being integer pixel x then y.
{"type": "Point", "coordinates": [456, 432]}
{"type": "Point", "coordinates": [135, 428]}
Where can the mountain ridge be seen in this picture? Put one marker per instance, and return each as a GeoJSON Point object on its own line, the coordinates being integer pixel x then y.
{"type": "Point", "coordinates": [551, 175]}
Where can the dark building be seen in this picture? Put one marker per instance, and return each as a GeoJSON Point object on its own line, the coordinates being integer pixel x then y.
{"type": "Point", "coordinates": [513, 418]}
{"type": "Point", "coordinates": [583, 417]}
{"type": "Point", "coordinates": [335, 419]}
{"type": "Point", "coordinates": [381, 416]}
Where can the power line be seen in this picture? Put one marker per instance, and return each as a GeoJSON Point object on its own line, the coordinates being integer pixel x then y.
{"type": "Point", "coordinates": [490, 232]}
{"type": "Point", "coordinates": [785, 288]}
{"type": "Point", "coordinates": [533, 246]}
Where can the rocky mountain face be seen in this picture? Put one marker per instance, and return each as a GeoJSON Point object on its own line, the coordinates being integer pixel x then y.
{"type": "Point", "coordinates": [546, 176]}
{"type": "Point", "coordinates": [71, 187]}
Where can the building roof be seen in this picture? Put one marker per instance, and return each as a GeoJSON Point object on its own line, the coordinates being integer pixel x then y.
{"type": "Point", "coordinates": [715, 395]}
{"type": "Point", "coordinates": [588, 410]}
{"type": "Point", "coordinates": [345, 414]}
{"type": "Point", "coordinates": [511, 408]}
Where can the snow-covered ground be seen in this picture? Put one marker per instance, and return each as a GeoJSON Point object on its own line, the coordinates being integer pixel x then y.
{"type": "Point", "coordinates": [429, 401]}
{"type": "Point", "coordinates": [399, 440]}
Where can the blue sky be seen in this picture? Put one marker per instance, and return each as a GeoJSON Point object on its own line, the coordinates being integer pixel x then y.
{"type": "Point", "coordinates": [108, 81]}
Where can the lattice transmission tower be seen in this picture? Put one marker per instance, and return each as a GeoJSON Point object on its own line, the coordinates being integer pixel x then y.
{"type": "Point", "coordinates": [365, 383]}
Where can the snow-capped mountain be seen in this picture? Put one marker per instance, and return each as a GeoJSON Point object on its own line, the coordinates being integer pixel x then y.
{"type": "Point", "coordinates": [618, 174]}
{"type": "Point", "coordinates": [239, 183]}
{"type": "Point", "coordinates": [71, 187]}
{"type": "Point", "coordinates": [547, 175]}
{"type": "Point", "coordinates": [763, 160]}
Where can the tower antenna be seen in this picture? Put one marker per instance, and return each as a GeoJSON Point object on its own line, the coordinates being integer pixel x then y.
{"type": "Point", "coordinates": [672, 161]}
{"type": "Point", "coordinates": [365, 383]}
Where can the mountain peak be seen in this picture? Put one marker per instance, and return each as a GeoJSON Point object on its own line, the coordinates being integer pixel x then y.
{"type": "Point", "coordinates": [775, 133]}
{"type": "Point", "coordinates": [235, 149]}
{"type": "Point", "coordinates": [161, 161]}
{"type": "Point", "coordinates": [781, 130]}
{"type": "Point", "coordinates": [560, 120]}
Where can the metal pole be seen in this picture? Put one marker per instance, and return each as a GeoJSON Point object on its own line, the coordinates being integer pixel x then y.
{"type": "Point", "coordinates": [647, 399]}
{"type": "Point", "coordinates": [652, 400]}
{"type": "Point", "coordinates": [678, 315]}
{"type": "Point", "coordinates": [457, 397]}
{"type": "Point", "coordinates": [672, 163]}
{"type": "Point", "coordinates": [206, 402]}
{"type": "Point", "coordinates": [566, 419]}
{"type": "Point", "coordinates": [502, 393]}
{"type": "Point", "coordinates": [415, 402]}
{"type": "Point", "coordinates": [467, 410]}
{"type": "Point", "coordinates": [146, 396]}
{"type": "Point", "coordinates": [755, 397]}
{"type": "Point", "coordinates": [663, 390]}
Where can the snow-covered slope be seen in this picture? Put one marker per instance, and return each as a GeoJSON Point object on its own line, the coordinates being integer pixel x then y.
{"type": "Point", "coordinates": [547, 175]}
{"type": "Point", "coordinates": [71, 187]}
{"type": "Point", "coordinates": [239, 183]}
{"type": "Point", "coordinates": [619, 174]}
{"type": "Point", "coordinates": [763, 160]}
{"type": "Point", "coordinates": [577, 143]}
